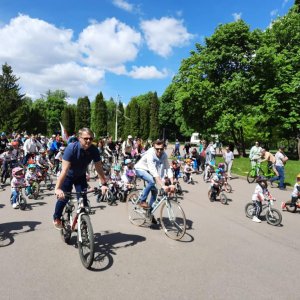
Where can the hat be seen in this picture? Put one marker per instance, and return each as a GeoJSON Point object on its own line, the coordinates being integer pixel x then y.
{"type": "Point", "coordinates": [129, 137]}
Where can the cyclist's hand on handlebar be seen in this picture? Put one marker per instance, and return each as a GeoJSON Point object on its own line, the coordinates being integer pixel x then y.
{"type": "Point", "coordinates": [59, 194]}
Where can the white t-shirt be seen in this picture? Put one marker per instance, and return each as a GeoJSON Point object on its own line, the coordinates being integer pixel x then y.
{"type": "Point", "coordinates": [279, 159]}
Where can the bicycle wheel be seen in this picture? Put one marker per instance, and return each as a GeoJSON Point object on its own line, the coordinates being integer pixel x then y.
{"type": "Point", "coordinates": [250, 177]}
{"type": "Point", "coordinates": [35, 190]}
{"type": "Point", "coordinates": [273, 217]}
{"type": "Point", "coordinates": [22, 202]}
{"type": "Point", "coordinates": [179, 189]}
{"type": "Point", "coordinates": [110, 197]}
{"type": "Point", "coordinates": [228, 188]}
{"type": "Point", "coordinates": [48, 182]}
{"type": "Point", "coordinates": [66, 231]}
{"type": "Point", "coordinates": [223, 198]}
{"type": "Point", "coordinates": [173, 220]}
{"type": "Point", "coordinates": [121, 196]}
{"type": "Point", "coordinates": [86, 245]}
{"type": "Point", "coordinates": [136, 214]}
{"type": "Point", "coordinates": [290, 208]}
{"type": "Point", "coordinates": [249, 210]}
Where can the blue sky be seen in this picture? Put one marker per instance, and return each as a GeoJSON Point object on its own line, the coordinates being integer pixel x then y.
{"type": "Point", "coordinates": [121, 48]}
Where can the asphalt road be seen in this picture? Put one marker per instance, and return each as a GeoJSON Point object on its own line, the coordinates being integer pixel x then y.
{"type": "Point", "coordinates": [224, 255]}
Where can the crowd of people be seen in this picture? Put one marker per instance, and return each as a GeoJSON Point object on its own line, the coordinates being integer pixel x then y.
{"type": "Point", "coordinates": [25, 157]}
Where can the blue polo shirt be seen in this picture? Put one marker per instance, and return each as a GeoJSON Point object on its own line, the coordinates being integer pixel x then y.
{"type": "Point", "coordinates": [80, 158]}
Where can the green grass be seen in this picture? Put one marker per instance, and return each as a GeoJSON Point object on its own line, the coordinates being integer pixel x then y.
{"type": "Point", "coordinates": [241, 166]}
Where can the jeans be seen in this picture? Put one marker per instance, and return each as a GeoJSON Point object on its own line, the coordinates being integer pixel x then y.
{"type": "Point", "coordinates": [149, 187]}
{"type": "Point", "coordinates": [280, 177]}
{"type": "Point", "coordinates": [80, 185]}
{"type": "Point", "coordinates": [15, 195]}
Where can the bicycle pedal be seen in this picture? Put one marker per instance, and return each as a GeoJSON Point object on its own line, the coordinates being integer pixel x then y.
{"type": "Point", "coordinates": [92, 212]}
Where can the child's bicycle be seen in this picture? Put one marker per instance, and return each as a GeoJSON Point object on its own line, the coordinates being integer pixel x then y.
{"type": "Point", "coordinates": [293, 208]}
{"type": "Point", "coordinates": [220, 194]}
{"type": "Point", "coordinates": [172, 217]}
{"type": "Point", "coordinates": [273, 216]}
{"type": "Point", "coordinates": [21, 200]}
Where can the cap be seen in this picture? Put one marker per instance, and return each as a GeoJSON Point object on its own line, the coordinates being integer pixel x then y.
{"type": "Point", "coordinates": [129, 137]}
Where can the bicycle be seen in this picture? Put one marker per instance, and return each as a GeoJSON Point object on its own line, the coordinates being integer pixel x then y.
{"type": "Point", "coordinates": [273, 216]}
{"type": "Point", "coordinates": [292, 208]}
{"type": "Point", "coordinates": [172, 217]}
{"type": "Point", "coordinates": [220, 193]}
{"type": "Point", "coordinates": [255, 171]}
{"type": "Point", "coordinates": [80, 220]}
{"type": "Point", "coordinates": [21, 200]}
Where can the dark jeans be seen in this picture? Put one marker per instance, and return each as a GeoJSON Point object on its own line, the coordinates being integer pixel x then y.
{"type": "Point", "coordinates": [258, 208]}
{"type": "Point", "coordinates": [80, 185]}
{"type": "Point", "coordinates": [280, 177]}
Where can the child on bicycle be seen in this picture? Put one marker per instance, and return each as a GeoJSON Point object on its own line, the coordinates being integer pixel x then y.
{"type": "Point", "coordinates": [175, 166]}
{"type": "Point", "coordinates": [260, 193]}
{"type": "Point", "coordinates": [209, 169]}
{"type": "Point", "coordinates": [295, 194]}
{"type": "Point", "coordinates": [215, 185]}
{"type": "Point", "coordinates": [128, 179]}
{"type": "Point", "coordinates": [17, 182]}
{"type": "Point", "coordinates": [31, 176]}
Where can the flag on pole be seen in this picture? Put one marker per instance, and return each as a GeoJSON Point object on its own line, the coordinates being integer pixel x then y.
{"type": "Point", "coordinates": [64, 133]}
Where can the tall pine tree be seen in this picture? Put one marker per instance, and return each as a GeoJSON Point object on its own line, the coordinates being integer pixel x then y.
{"type": "Point", "coordinates": [154, 121]}
{"type": "Point", "coordinates": [83, 113]}
{"type": "Point", "coordinates": [100, 116]}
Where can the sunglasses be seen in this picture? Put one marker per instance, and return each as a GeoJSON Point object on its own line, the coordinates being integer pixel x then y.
{"type": "Point", "coordinates": [159, 149]}
{"type": "Point", "coordinates": [87, 138]}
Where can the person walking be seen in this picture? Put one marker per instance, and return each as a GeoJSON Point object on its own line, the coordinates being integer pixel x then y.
{"type": "Point", "coordinates": [255, 154]}
{"type": "Point", "coordinates": [280, 161]}
{"type": "Point", "coordinates": [228, 158]}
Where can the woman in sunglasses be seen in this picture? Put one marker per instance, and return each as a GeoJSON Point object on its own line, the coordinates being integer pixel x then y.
{"type": "Point", "coordinates": [76, 158]}
{"type": "Point", "coordinates": [151, 167]}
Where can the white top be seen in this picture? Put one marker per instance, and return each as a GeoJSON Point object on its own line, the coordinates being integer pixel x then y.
{"type": "Point", "coordinates": [296, 190]}
{"type": "Point", "coordinates": [228, 156]}
{"type": "Point", "coordinates": [279, 157]}
{"type": "Point", "coordinates": [157, 167]}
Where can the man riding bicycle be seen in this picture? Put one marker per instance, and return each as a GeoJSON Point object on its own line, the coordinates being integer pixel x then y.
{"type": "Point", "coordinates": [77, 156]}
{"type": "Point", "coordinates": [151, 168]}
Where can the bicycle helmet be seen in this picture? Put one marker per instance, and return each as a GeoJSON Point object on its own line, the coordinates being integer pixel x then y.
{"type": "Point", "coordinates": [16, 172]}
{"type": "Point", "coordinates": [298, 178]}
{"type": "Point", "coordinates": [127, 161]}
{"type": "Point", "coordinates": [117, 168]}
{"type": "Point", "coordinates": [31, 166]}
{"type": "Point", "coordinates": [262, 181]}
{"type": "Point", "coordinates": [221, 166]}
{"type": "Point", "coordinates": [15, 143]}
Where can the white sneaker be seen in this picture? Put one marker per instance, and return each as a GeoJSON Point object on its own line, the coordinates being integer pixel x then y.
{"type": "Point", "coordinates": [256, 219]}
{"type": "Point", "coordinates": [15, 205]}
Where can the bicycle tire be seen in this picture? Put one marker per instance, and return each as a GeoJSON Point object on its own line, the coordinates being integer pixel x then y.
{"type": "Point", "coordinates": [173, 220]}
{"type": "Point", "coordinates": [223, 198]}
{"type": "Point", "coordinates": [22, 202]}
{"type": "Point", "coordinates": [209, 196]}
{"type": "Point", "coordinates": [121, 196]}
{"type": "Point", "coordinates": [274, 217]}
{"type": "Point", "coordinates": [291, 209]}
{"type": "Point", "coordinates": [87, 243]}
{"type": "Point", "coordinates": [179, 190]}
{"type": "Point", "coordinates": [66, 231]}
{"type": "Point", "coordinates": [228, 188]}
{"type": "Point", "coordinates": [249, 210]}
{"type": "Point", "coordinates": [110, 198]}
{"type": "Point", "coordinates": [49, 179]}
{"type": "Point", "coordinates": [35, 190]}
{"type": "Point", "coordinates": [250, 178]}
{"type": "Point", "coordinates": [135, 212]}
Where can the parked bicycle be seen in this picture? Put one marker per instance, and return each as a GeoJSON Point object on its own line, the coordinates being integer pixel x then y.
{"type": "Point", "coordinates": [172, 217]}
{"type": "Point", "coordinates": [273, 216]}
{"type": "Point", "coordinates": [220, 194]}
{"type": "Point", "coordinates": [79, 220]}
{"type": "Point", "coordinates": [257, 170]}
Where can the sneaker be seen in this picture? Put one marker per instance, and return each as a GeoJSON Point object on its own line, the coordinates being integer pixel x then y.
{"type": "Point", "coordinates": [283, 205]}
{"type": "Point", "coordinates": [57, 224]}
{"type": "Point", "coordinates": [256, 219]}
{"type": "Point", "coordinates": [15, 205]}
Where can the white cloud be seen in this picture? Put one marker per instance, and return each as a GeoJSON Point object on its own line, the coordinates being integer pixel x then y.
{"type": "Point", "coordinates": [237, 16]}
{"type": "Point", "coordinates": [164, 34]}
{"type": "Point", "coordinates": [274, 13]}
{"type": "Point", "coordinates": [284, 2]}
{"type": "Point", "coordinates": [123, 5]}
{"type": "Point", "coordinates": [147, 72]}
{"type": "Point", "coordinates": [109, 44]}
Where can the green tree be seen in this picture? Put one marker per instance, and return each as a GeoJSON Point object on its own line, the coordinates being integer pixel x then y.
{"type": "Point", "coordinates": [154, 122]}
{"type": "Point", "coordinates": [11, 101]}
{"type": "Point", "coordinates": [121, 119]}
{"type": "Point", "coordinates": [100, 116]}
{"type": "Point", "coordinates": [83, 113]}
{"type": "Point", "coordinates": [111, 117]}
{"type": "Point", "coordinates": [68, 118]}
{"type": "Point", "coordinates": [134, 118]}
{"type": "Point", "coordinates": [127, 125]}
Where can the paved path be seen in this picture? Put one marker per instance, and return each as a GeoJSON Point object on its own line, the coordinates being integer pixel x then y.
{"type": "Point", "coordinates": [224, 255]}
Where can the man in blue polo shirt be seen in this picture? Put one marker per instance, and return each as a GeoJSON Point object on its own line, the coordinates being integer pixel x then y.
{"type": "Point", "coordinates": [76, 159]}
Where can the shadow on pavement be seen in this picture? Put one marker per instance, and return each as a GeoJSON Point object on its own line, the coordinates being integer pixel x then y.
{"type": "Point", "coordinates": [6, 234]}
{"type": "Point", "coordinates": [106, 245]}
